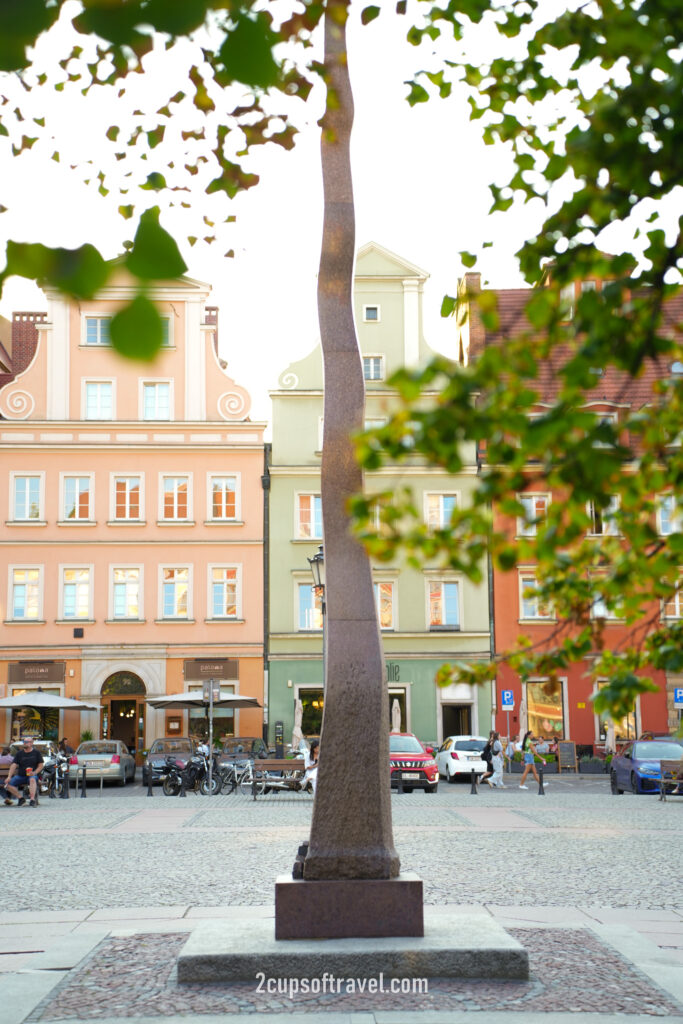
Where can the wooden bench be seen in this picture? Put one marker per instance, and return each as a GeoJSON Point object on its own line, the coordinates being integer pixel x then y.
{"type": "Point", "coordinates": [287, 765]}
{"type": "Point", "coordinates": [672, 773]}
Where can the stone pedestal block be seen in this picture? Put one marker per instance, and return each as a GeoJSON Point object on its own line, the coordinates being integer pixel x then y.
{"type": "Point", "coordinates": [348, 908]}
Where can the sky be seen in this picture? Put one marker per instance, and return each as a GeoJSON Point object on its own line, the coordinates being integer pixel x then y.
{"type": "Point", "coordinates": [420, 177]}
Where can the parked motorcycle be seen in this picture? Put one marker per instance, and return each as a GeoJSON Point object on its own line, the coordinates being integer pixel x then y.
{"type": "Point", "coordinates": [194, 775]}
{"type": "Point", "coordinates": [55, 773]}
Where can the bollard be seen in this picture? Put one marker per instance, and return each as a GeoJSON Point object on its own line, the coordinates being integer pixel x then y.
{"type": "Point", "coordinates": [541, 791]}
{"type": "Point", "coordinates": [64, 795]}
{"type": "Point", "coordinates": [473, 788]}
{"type": "Point", "coordinates": [150, 783]}
{"type": "Point", "coordinates": [253, 788]}
{"type": "Point", "coordinates": [182, 785]}
{"type": "Point", "coordinates": [83, 792]}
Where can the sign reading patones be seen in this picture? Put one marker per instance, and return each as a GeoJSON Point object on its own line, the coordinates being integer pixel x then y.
{"type": "Point", "coordinates": [198, 669]}
{"type": "Point", "coordinates": [36, 672]}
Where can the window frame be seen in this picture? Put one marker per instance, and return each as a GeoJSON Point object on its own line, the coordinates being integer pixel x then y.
{"type": "Point", "coordinates": [317, 597]}
{"type": "Point", "coordinates": [69, 567]}
{"type": "Point", "coordinates": [443, 580]}
{"type": "Point", "coordinates": [372, 320]}
{"type": "Point", "coordinates": [128, 566]}
{"type": "Point", "coordinates": [114, 476]}
{"type": "Point", "coordinates": [15, 475]}
{"type": "Point", "coordinates": [85, 381]}
{"type": "Point", "coordinates": [442, 525]}
{"type": "Point", "coordinates": [526, 528]}
{"type": "Point", "coordinates": [25, 567]}
{"type": "Point", "coordinates": [611, 524]}
{"type": "Point", "coordinates": [148, 382]}
{"type": "Point", "coordinates": [677, 600]}
{"type": "Point", "coordinates": [189, 617]}
{"type": "Point", "coordinates": [162, 520]}
{"type": "Point", "coordinates": [523, 578]}
{"type": "Point", "coordinates": [210, 616]}
{"type": "Point", "coordinates": [298, 495]}
{"type": "Point", "coordinates": [385, 581]}
{"type": "Point", "coordinates": [674, 515]}
{"type": "Point", "coordinates": [379, 356]}
{"type": "Point", "coordinates": [210, 477]}
{"type": "Point", "coordinates": [76, 475]}
{"type": "Point", "coordinates": [100, 318]}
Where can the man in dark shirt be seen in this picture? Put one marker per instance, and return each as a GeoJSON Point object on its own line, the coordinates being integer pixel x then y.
{"type": "Point", "coordinates": [24, 771]}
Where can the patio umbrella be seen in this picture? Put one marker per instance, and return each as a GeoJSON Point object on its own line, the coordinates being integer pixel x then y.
{"type": "Point", "coordinates": [41, 701]}
{"type": "Point", "coordinates": [395, 716]}
{"type": "Point", "coordinates": [191, 700]}
{"type": "Point", "coordinates": [297, 735]}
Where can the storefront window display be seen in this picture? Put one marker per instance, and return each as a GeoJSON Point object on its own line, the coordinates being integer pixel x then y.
{"type": "Point", "coordinates": [42, 723]}
{"type": "Point", "coordinates": [545, 708]}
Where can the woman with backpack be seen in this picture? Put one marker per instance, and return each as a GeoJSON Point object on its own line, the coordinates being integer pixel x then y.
{"type": "Point", "coordinates": [487, 755]}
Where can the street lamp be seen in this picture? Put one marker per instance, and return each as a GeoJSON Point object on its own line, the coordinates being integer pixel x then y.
{"type": "Point", "coordinates": [317, 564]}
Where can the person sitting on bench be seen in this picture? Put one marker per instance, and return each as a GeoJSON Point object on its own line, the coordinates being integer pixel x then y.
{"type": "Point", "coordinates": [24, 771]}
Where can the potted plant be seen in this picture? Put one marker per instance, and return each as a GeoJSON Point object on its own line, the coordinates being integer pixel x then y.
{"type": "Point", "coordinates": [592, 766]}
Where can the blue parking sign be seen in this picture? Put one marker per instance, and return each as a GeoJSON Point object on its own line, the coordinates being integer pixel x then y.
{"type": "Point", "coordinates": [678, 696]}
{"type": "Point", "coordinates": [507, 700]}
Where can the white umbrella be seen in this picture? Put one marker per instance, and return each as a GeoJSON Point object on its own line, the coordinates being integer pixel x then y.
{"type": "Point", "coordinates": [523, 724]}
{"type": "Point", "coordinates": [395, 716]}
{"type": "Point", "coordinates": [40, 699]}
{"type": "Point", "coordinates": [196, 700]}
{"type": "Point", "coordinates": [610, 743]}
{"type": "Point", "coordinates": [297, 734]}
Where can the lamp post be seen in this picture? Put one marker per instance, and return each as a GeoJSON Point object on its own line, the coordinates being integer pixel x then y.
{"type": "Point", "coordinates": [317, 564]}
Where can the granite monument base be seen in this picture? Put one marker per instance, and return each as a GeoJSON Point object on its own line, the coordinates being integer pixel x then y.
{"type": "Point", "coordinates": [348, 908]}
{"type": "Point", "coordinates": [453, 946]}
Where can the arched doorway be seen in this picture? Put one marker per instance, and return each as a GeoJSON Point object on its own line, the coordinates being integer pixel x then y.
{"type": "Point", "coordinates": [123, 711]}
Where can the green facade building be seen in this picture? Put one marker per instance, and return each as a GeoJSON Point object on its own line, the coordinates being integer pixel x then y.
{"type": "Point", "coordinates": [427, 617]}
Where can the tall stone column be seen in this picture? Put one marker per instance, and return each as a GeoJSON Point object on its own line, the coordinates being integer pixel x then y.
{"type": "Point", "coordinates": [351, 833]}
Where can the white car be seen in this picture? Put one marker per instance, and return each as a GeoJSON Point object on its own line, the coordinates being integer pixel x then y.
{"type": "Point", "coordinates": [460, 756]}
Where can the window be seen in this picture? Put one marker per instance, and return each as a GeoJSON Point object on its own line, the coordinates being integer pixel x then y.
{"type": "Point", "coordinates": [599, 606]}
{"type": "Point", "coordinates": [156, 401]}
{"type": "Point", "coordinates": [384, 602]}
{"type": "Point", "coordinates": [127, 498]}
{"type": "Point", "coordinates": [76, 494]}
{"type": "Point", "coordinates": [126, 592]}
{"type": "Point", "coordinates": [25, 593]}
{"type": "Point", "coordinates": [535, 511]}
{"type": "Point", "coordinates": [99, 400]}
{"type": "Point", "coordinates": [76, 593]}
{"type": "Point", "coordinates": [545, 708]}
{"type": "Point", "coordinates": [439, 509]}
{"type": "Point", "coordinates": [530, 605]}
{"type": "Point", "coordinates": [223, 497]}
{"type": "Point", "coordinates": [373, 368]}
{"type": "Point", "coordinates": [309, 516]}
{"type": "Point", "coordinates": [669, 521]}
{"type": "Point", "coordinates": [310, 607]}
{"type": "Point", "coordinates": [97, 330]}
{"type": "Point", "coordinates": [374, 422]}
{"type": "Point", "coordinates": [673, 608]}
{"type": "Point", "coordinates": [567, 301]}
{"type": "Point", "coordinates": [444, 605]}
{"type": "Point", "coordinates": [26, 498]}
{"type": "Point", "coordinates": [175, 588]}
{"type": "Point", "coordinates": [224, 596]}
{"type": "Point", "coordinates": [174, 497]}
{"type": "Point", "coordinates": [371, 314]}
{"type": "Point", "coordinates": [603, 522]}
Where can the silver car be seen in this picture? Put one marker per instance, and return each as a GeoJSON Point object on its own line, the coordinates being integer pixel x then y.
{"type": "Point", "coordinates": [104, 759]}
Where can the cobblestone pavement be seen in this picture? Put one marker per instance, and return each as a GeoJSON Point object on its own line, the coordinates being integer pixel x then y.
{"type": "Point", "coordinates": [588, 882]}
{"type": "Point", "coordinates": [570, 848]}
{"type": "Point", "coordinates": [136, 976]}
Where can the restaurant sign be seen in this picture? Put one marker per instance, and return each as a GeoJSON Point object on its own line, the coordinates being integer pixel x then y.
{"type": "Point", "coordinates": [198, 669]}
{"type": "Point", "coordinates": [36, 672]}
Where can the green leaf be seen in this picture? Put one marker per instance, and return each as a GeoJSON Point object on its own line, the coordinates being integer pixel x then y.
{"type": "Point", "coordinates": [136, 331]}
{"type": "Point", "coordinates": [369, 14]}
{"type": "Point", "coordinates": [448, 305]}
{"type": "Point", "coordinates": [155, 254]}
{"type": "Point", "coordinates": [247, 52]}
{"type": "Point", "coordinates": [80, 273]}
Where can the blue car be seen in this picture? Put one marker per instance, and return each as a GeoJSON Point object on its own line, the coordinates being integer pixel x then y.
{"type": "Point", "coordinates": [638, 768]}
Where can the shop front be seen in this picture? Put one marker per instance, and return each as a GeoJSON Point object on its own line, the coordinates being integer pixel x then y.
{"type": "Point", "coordinates": [24, 678]}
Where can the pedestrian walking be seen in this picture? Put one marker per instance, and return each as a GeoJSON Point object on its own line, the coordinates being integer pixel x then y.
{"type": "Point", "coordinates": [528, 753]}
{"type": "Point", "coordinates": [509, 752]}
{"type": "Point", "coordinates": [487, 755]}
{"type": "Point", "coordinates": [497, 763]}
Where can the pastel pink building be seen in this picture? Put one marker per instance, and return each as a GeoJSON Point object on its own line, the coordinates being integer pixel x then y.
{"type": "Point", "coordinates": [132, 535]}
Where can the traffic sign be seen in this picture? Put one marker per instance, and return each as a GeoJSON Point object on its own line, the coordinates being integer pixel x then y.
{"type": "Point", "coordinates": [507, 700]}
{"type": "Point", "coordinates": [678, 696]}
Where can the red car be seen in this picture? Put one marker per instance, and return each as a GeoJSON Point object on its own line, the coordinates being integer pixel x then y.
{"type": "Point", "coordinates": [412, 765]}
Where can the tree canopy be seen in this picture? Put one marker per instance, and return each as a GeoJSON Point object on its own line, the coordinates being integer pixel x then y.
{"type": "Point", "coordinates": [588, 102]}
